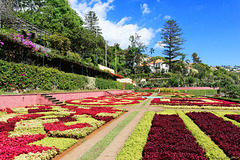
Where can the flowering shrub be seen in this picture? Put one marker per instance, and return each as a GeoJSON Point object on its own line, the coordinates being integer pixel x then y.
{"type": "Point", "coordinates": [168, 139]}
{"type": "Point", "coordinates": [19, 39]}
{"type": "Point", "coordinates": [223, 133]}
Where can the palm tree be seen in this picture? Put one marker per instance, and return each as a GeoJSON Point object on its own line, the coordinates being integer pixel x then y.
{"type": "Point", "coordinates": [152, 51]}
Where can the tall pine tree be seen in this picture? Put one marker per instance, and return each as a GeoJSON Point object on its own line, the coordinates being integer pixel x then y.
{"type": "Point", "coordinates": [91, 22]}
{"type": "Point", "coordinates": [172, 41]}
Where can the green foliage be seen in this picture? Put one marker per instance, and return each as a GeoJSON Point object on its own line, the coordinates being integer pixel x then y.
{"type": "Point", "coordinates": [133, 147]}
{"type": "Point", "coordinates": [61, 143]}
{"type": "Point", "coordinates": [212, 150]}
{"type": "Point", "coordinates": [108, 84]}
{"type": "Point", "coordinates": [20, 77]}
{"type": "Point", "coordinates": [201, 92]}
{"type": "Point", "coordinates": [59, 42]}
{"type": "Point", "coordinates": [128, 86]}
{"type": "Point", "coordinates": [167, 90]}
{"type": "Point", "coordinates": [172, 41]}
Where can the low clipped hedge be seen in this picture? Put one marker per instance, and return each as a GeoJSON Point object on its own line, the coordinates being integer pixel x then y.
{"type": "Point", "coordinates": [108, 84]}
{"type": "Point", "coordinates": [128, 86]}
{"type": "Point", "coordinates": [134, 145]}
{"type": "Point", "coordinates": [201, 92]}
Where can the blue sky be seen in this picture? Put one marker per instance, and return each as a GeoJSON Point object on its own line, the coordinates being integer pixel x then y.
{"type": "Point", "coordinates": [210, 27]}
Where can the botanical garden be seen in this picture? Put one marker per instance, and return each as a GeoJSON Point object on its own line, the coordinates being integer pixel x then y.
{"type": "Point", "coordinates": [56, 102]}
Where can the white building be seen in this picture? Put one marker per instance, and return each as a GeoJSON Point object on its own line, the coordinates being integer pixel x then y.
{"type": "Point", "coordinates": [157, 66]}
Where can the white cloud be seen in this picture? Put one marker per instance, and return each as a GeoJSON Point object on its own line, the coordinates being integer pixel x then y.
{"type": "Point", "coordinates": [113, 32]}
{"type": "Point", "coordinates": [159, 45]}
{"type": "Point", "coordinates": [167, 17]}
{"type": "Point", "coordinates": [145, 9]}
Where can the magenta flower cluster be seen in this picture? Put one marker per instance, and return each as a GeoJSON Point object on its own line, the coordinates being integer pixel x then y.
{"type": "Point", "coordinates": [1, 43]}
{"type": "Point", "coordinates": [26, 42]}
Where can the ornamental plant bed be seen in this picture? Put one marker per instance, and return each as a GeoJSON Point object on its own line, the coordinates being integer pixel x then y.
{"type": "Point", "coordinates": [119, 99]}
{"type": "Point", "coordinates": [173, 135]}
{"type": "Point", "coordinates": [223, 133]}
{"type": "Point", "coordinates": [168, 138]}
{"type": "Point", "coordinates": [28, 132]}
{"type": "Point", "coordinates": [180, 95]}
{"type": "Point", "coordinates": [233, 117]}
{"type": "Point", "coordinates": [193, 102]}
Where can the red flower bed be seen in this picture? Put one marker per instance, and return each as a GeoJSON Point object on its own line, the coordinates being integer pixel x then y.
{"type": "Point", "coordinates": [60, 126]}
{"type": "Point", "coordinates": [39, 110]}
{"type": "Point", "coordinates": [66, 119]}
{"type": "Point", "coordinates": [194, 102]}
{"type": "Point", "coordinates": [8, 110]}
{"type": "Point", "coordinates": [105, 118]}
{"type": "Point", "coordinates": [119, 99]}
{"type": "Point", "coordinates": [24, 117]}
{"type": "Point", "coordinates": [9, 126]}
{"type": "Point", "coordinates": [223, 133]}
{"type": "Point", "coordinates": [40, 107]}
{"type": "Point", "coordinates": [11, 147]}
{"type": "Point", "coordinates": [95, 110]}
{"type": "Point", "coordinates": [234, 117]}
{"type": "Point", "coordinates": [168, 139]}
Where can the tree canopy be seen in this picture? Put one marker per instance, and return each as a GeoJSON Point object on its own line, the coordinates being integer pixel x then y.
{"type": "Point", "coordinates": [172, 41]}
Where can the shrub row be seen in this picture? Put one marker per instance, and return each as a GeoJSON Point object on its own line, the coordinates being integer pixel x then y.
{"type": "Point", "coordinates": [20, 77]}
{"type": "Point", "coordinates": [201, 92]}
{"type": "Point", "coordinates": [134, 145]}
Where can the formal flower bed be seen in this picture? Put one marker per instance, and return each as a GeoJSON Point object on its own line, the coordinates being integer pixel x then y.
{"type": "Point", "coordinates": [193, 102]}
{"type": "Point", "coordinates": [180, 95]}
{"type": "Point", "coordinates": [28, 133]}
{"type": "Point", "coordinates": [223, 133]}
{"type": "Point", "coordinates": [234, 117]}
{"type": "Point", "coordinates": [119, 99]}
{"type": "Point", "coordinates": [168, 139]}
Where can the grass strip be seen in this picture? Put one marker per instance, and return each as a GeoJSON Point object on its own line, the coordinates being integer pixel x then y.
{"type": "Point", "coordinates": [212, 150]}
{"type": "Point", "coordinates": [146, 102]}
{"type": "Point", "coordinates": [98, 148]}
{"type": "Point", "coordinates": [134, 145]}
{"type": "Point", "coordinates": [222, 115]}
{"type": "Point", "coordinates": [154, 94]}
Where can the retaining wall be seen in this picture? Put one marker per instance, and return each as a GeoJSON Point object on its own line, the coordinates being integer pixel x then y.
{"type": "Point", "coordinates": [14, 101]}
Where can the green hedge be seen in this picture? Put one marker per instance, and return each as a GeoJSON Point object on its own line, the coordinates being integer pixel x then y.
{"type": "Point", "coordinates": [128, 86]}
{"type": "Point", "coordinates": [201, 92]}
{"type": "Point", "coordinates": [14, 76]}
{"type": "Point", "coordinates": [108, 84]}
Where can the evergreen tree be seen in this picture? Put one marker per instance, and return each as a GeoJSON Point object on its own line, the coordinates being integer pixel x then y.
{"type": "Point", "coordinates": [171, 41]}
{"type": "Point", "coordinates": [91, 22]}
{"type": "Point", "coordinates": [195, 58]}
